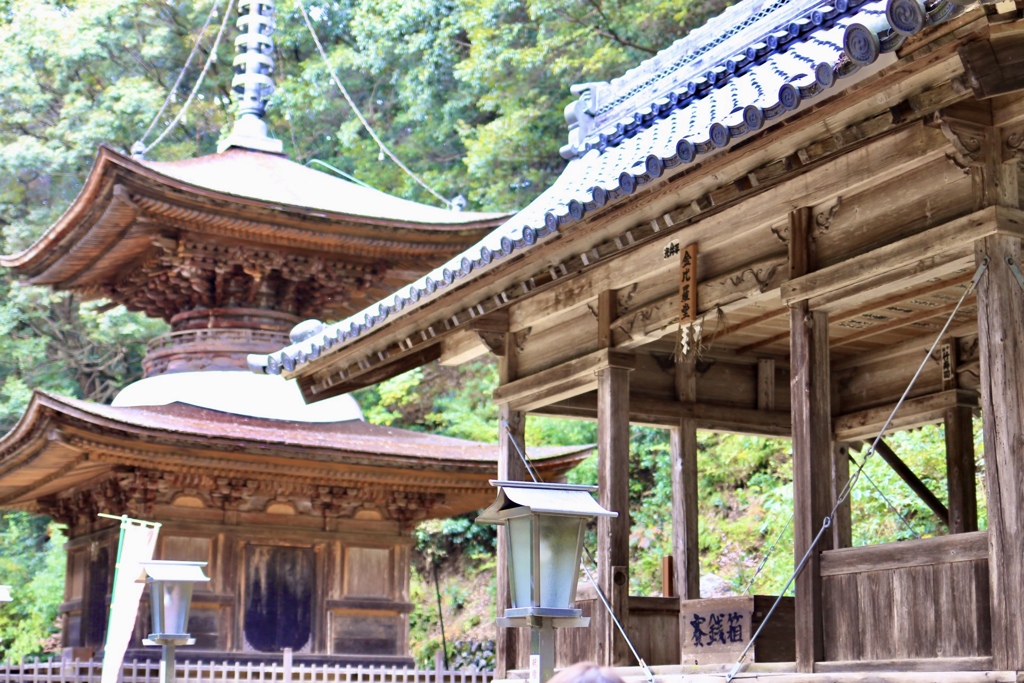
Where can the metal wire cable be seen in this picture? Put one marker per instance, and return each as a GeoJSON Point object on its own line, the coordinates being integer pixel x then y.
{"type": "Point", "coordinates": [181, 74]}
{"type": "Point", "coordinates": [597, 588]}
{"type": "Point", "coordinates": [845, 493]}
{"type": "Point", "coordinates": [199, 81]}
{"type": "Point", "coordinates": [359, 115]}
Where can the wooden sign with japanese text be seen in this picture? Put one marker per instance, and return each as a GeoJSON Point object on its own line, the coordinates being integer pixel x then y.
{"type": "Point", "coordinates": [718, 629]}
{"type": "Point", "coordinates": [688, 284]}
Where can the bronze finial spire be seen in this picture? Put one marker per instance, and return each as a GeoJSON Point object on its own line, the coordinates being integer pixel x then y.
{"type": "Point", "coordinates": [252, 83]}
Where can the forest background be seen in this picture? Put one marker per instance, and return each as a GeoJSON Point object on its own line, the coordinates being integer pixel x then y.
{"type": "Point", "coordinates": [470, 94]}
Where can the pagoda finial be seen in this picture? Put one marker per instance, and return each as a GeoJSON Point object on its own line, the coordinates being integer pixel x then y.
{"type": "Point", "coordinates": [252, 83]}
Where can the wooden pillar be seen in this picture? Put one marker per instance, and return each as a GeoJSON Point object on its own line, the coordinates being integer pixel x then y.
{"type": "Point", "coordinates": [812, 471]}
{"type": "Point", "coordinates": [510, 468]}
{"type": "Point", "coordinates": [960, 482]}
{"type": "Point", "coordinates": [683, 453]}
{"type": "Point", "coordinates": [613, 533]}
{"type": "Point", "coordinates": [963, 499]}
{"type": "Point", "coordinates": [1001, 351]}
{"type": "Point", "coordinates": [842, 526]}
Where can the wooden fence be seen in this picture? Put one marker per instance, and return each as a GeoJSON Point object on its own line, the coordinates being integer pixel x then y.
{"type": "Point", "coordinates": [226, 672]}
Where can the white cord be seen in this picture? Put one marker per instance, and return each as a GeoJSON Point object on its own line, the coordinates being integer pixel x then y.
{"type": "Point", "coordinates": [359, 115]}
{"type": "Point", "coordinates": [181, 74]}
{"type": "Point", "coordinates": [209, 61]}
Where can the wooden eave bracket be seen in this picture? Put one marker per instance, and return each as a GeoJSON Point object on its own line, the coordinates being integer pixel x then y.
{"type": "Point", "coordinates": [574, 377]}
{"type": "Point", "coordinates": [958, 234]}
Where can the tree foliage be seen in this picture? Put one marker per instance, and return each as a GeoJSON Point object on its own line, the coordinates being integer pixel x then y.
{"type": "Point", "coordinates": [32, 562]}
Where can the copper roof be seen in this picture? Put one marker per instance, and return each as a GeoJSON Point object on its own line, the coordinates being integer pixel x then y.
{"type": "Point", "coordinates": [167, 237]}
{"type": "Point", "coordinates": [61, 442]}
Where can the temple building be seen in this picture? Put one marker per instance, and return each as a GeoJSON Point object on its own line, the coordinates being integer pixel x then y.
{"type": "Point", "coordinates": [304, 513]}
{"type": "Point", "coordinates": [804, 220]}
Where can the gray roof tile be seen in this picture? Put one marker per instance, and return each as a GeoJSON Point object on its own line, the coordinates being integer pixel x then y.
{"type": "Point", "coordinates": [742, 71]}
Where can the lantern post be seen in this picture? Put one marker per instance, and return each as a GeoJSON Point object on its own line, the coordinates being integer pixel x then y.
{"type": "Point", "coordinates": [170, 599]}
{"type": "Point", "coordinates": [545, 525]}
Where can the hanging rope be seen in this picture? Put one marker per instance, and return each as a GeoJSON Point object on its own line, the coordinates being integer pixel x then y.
{"type": "Point", "coordinates": [140, 149]}
{"type": "Point", "coordinates": [359, 115]}
{"type": "Point", "coordinates": [600, 594]}
{"type": "Point", "coordinates": [845, 493]}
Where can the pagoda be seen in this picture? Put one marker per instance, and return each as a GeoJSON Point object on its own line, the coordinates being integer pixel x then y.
{"type": "Point", "coordinates": [304, 513]}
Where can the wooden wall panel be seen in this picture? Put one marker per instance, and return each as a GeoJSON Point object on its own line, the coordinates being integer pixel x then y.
{"type": "Point", "coordinates": [915, 600]}
{"type": "Point", "coordinates": [368, 572]}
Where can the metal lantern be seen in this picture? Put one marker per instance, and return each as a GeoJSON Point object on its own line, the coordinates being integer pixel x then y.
{"type": "Point", "coordinates": [545, 525]}
{"type": "Point", "coordinates": [5, 594]}
{"type": "Point", "coordinates": [170, 597]}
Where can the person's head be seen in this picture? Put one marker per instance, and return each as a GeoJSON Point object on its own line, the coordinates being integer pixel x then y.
{"type": "Point", "coordinates": [586, 672]}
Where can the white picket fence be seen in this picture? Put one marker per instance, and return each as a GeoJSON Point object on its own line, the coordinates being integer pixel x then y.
{"type": "Point", "coordinates": [227, 672]}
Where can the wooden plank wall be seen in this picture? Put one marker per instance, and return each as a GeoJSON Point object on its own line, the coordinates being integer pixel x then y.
{"type": "Point", "coordinates": [920, 599]}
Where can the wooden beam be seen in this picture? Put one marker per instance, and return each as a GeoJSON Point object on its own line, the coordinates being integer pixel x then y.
{"type": "Point", "coordinates": [812, 472]}
{"type": "Point", "coordinates": [683, 457]}
{"type": "Point", "coordinates": [910, 479]}
{"type": "Point", "coordinates": [957, 234]}
{"type": "Point", "coordinates": [613, 494]}
{"type": "Point", "coordinates": [376, 373]}
{"type": "Point", "coordinates": [916, 553]}
{"type": "Point", "coordinates": [1001, 350]}
{"type": "Point", "coordinates": [914, 412]}
{"type": "Point", "coordinates": [571, 378]}
{"type": "Point", "coordinates": [994, 66]}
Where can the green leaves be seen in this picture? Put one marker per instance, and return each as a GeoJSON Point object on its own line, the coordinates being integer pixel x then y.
{"type": "Point", "coordinates": [32, 562]}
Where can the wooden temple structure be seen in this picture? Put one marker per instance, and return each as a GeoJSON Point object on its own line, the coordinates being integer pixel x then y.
{"type": "Point", "coordinates": [304, 514]}
{"type": "Point", "coordinates": [764, 229]}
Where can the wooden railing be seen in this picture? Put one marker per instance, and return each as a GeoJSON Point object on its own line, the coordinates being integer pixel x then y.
{"type": "Point", "coordinates": [923, 599]}
{"type": "Point", "coordinates": [226, 672]}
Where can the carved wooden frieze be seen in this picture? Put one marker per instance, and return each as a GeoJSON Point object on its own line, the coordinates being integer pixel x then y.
{"type": "Point", "coordinates": [136, 491]}
{"type": "Point", "coordinates": [183, 275]}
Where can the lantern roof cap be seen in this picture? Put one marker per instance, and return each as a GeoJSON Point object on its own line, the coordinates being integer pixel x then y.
{"type": "Point", "coordinates": [172, 570]}
{"type": "Point", "coordinates": [555, 499]}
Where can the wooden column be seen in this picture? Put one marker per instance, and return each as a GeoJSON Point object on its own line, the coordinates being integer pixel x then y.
{"type": "Point", "coordinates": [963, 498]}
{"type": "Point", "coordinates": [812, 471]}
{"type": "Point", "coordinates": [510, 468]}
{"type": "Point", "coordinates": [683, 453]}
{"type": "Point", "coordinates": [1001, 351]}
{"type": "Point", "coordinates": [842, 526]}
{"type": "Point", "coordinates": [962, 513]}
{"type": "Point", "coordinates": [613, 533]}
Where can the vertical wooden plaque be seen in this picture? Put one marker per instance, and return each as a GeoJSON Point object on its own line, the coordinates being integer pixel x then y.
{"type": "Point", "coordinates": [688, 284]}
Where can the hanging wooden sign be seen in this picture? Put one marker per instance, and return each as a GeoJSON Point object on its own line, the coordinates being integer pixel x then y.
{"type": "Point", "coordinates": [688, 284]}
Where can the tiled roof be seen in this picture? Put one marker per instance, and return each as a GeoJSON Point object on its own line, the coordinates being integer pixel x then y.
{"type": "Point", "coordinates": [742, 72]}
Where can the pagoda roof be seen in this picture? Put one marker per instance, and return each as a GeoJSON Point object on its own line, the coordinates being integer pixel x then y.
{"type": "Point", "coordinates": [62, 443]}
{"type": "Point", "coordinates": [742, 74]}
{"type": "Point", "coordinates": [259, 210]}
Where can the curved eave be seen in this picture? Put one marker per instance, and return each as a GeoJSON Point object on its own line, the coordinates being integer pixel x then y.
{"type": "Point", "coordinates": [60, 442]}
{"type": "Point", "coordinates": [112, 168]}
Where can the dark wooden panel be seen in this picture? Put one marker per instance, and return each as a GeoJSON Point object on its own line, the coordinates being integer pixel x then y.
{"type": "Point", "coordinates": [278, 598]}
